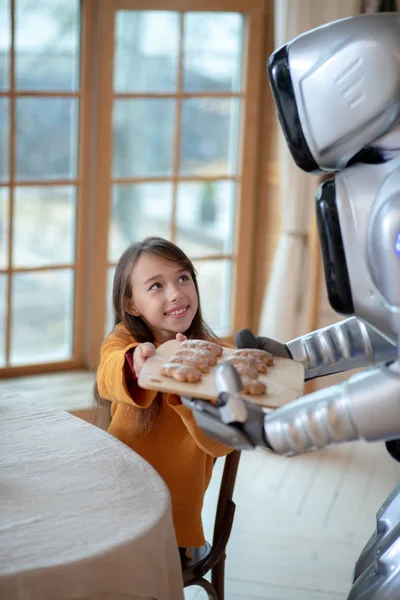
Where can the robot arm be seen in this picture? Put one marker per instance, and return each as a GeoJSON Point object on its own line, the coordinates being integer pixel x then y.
{"type": "Point", "coordinates": [349, 411]}
{"type": "Point", "coordinates": [349, 344]}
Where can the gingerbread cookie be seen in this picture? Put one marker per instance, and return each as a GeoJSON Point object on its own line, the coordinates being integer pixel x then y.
{"type": "Point", "coordinates": [181, 373]}
{"type": "Point", "coordinates": [203, 345]}
{"type": "Point", "coordinates": [254, 361]}
{"type": "Point", "coordinates": [253, 387]}
{"type": "Point", "coordinates": [191, 361]}
{"type": "Point", "coordinates": [244, 366]}
{"type": "Point", "coordinates": [206, 355]}
{"type": "Point", "coordinates": [261, 355]}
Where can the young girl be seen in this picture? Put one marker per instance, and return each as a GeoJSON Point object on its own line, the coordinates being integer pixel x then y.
{"type": "Point", "coordinates": [156, 299]}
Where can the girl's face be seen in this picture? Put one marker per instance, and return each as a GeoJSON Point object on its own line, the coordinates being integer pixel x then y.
{"type": "Point", "coordinates": [163, 295]}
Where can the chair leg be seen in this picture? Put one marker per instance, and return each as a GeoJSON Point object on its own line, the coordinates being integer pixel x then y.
{"type": "Point", "coordinates": [218, 578]}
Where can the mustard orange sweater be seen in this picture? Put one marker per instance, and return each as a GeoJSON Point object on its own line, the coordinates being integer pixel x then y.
{"type": "Point", "coordinates": [177, 449]}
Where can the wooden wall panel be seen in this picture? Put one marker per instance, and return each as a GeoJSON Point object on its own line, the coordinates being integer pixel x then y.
{"type": "Point", "coordinates": [267, 213]}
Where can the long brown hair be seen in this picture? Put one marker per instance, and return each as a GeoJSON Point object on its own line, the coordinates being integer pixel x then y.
{"type": "Point", "coordinates": [122, 291]}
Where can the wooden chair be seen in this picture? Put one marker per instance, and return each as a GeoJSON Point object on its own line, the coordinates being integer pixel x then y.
{"type": "Point", "coordinates": [212, 557]}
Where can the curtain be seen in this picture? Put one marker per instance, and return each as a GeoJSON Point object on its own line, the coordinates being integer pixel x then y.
{"type": "Point", "coordinates": [285, 310]}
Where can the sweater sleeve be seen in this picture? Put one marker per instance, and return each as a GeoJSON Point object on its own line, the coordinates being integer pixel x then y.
{"type": "Point", "coordinates": [203, 441]}
{"type": "Point", "coordinates": [111, 376]}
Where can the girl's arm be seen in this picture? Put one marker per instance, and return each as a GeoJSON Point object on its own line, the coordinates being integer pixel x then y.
{"type": "Point", "coordinates": [204, 442]}
{"type": "Point", "coordinates": [116, 379]}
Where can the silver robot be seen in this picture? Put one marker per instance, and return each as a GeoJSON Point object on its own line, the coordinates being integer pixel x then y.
{"type": "Point", "coordinates": [337, 91]}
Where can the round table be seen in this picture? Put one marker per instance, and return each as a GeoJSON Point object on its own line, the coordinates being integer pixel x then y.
{"type": "Point", "coordinates": [81, 515]}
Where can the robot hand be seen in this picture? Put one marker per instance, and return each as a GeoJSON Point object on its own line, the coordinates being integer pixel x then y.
{"type": "Point", "coordinates": [245, 338]}
{"type": "Point", "coordinates": [232, 420]}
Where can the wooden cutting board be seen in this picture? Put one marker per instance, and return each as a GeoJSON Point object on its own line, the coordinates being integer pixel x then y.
{"type": "Point", "coordinates": [284, 380]}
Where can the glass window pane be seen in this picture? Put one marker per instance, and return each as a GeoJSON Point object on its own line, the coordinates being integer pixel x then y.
{"type": "Point", "coordinates": [212, 51]}
{"type": "Point", "coordinates": [42, 316]}
{"type": "Point", "coordinates": [3, 316]}
{"type": "Point", "coordinates": [110, 317]}
{"type": "Point", "coordinates": [44, 226]}
{"type": "Point", "coordinates": [47, 44]}
{"type": "Point", "coordinates": [4, 138]}
{"type": "Point", "coordinates": [209, 137]}
{"type": "Point", "coordinates": [4, 226]}
{"type": "Point", "coordinates": [138, 210]}
{"type": "Point", "coordinates": [5, 44]}
{"type": "Point", "coordinates": [205, 217]}
{"type": "Point", "coordinates": [214, 278]}
{"type": "Point", "coordinates": [143, 137]}
{"type": "Point", "coordinates": [47, 136]}
{"type": "Point", "coordinates": [146, 51]}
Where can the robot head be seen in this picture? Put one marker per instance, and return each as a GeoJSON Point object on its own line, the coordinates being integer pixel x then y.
{"type": "Point", "coordinates": [337, 91]}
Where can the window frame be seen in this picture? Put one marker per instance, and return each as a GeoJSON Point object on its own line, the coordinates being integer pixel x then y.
{"type": "Point", "coordinates": [94, 168]}
{"type": "Point", "coordinates": [81, 182]}
{"type": "Point", "coordinates": [243, 255]}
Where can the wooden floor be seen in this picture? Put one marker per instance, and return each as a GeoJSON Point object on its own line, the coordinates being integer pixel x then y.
{"type": "Point", "coordinates": [68, 391]}
{"type": "Point", "coordinates": [300, 523]}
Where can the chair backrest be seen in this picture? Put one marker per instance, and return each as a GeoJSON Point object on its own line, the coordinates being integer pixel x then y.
{"type": "Point", "coordinates": [204, 559]}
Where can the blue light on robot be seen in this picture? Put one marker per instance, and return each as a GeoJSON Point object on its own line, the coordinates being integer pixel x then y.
{"type": "Point", "coordinates": [397, 244]}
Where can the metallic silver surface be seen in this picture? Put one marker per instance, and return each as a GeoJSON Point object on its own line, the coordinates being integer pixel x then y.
{"type": "Point", "coordinates": [346, 345]}
{"type": "Point", "coordinates": [367, 406]}
{"type": "Point", "coordinates": [383, 245]}
{"type": "Point", "coordinates": [387, 519]}
{"type": "Point", "coordinates": [361, 193]}
{"type": "Point", "coordinates": [229, 384]}
{"type": "Point", "coordinates": [346, 79]}
{"type": "Point", "coordinates": [227, 379]}
{"type": "Point", "coordinates": [377, 571]}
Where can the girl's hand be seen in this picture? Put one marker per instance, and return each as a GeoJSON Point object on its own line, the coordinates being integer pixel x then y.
{"type": "Point", "coordinates": [141, 354]}
{"type": "Point", "coordinates": [180, 337]}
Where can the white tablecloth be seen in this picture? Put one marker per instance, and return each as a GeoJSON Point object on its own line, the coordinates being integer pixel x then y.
{"type": "Point", "coordinates": [81, 515]}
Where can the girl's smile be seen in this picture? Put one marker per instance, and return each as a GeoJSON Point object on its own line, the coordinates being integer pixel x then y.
{"type": "Point", "coordinates": [178, 312]}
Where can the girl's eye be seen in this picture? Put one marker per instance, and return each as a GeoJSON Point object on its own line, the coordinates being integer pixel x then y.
{"type": "Point", "coordinates": [183, 278]}
{"type": "Point", "coordinates": [155, 286]}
